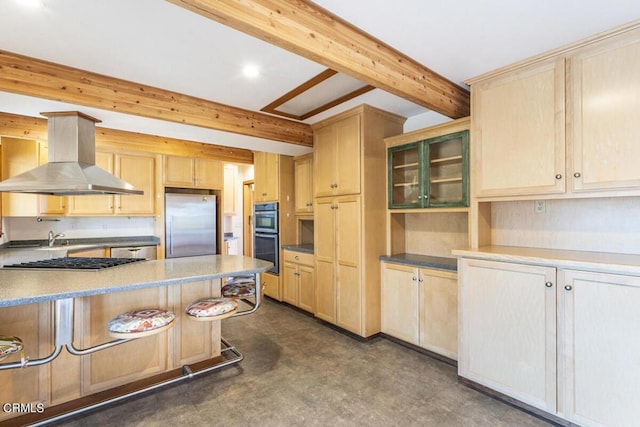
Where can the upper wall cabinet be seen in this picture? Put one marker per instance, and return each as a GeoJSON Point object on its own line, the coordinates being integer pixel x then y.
{"type": "Point", "coordinates": [518, 128]}
{"type": "Point", "coordinates": [336, 151]}
{"type": "Point", "coordinates": [430, 173]}
{"type": "Point", "coordinates": [521, 117]}
{"type": "Point", "coordinates": [192, 172]}
{"type": "Point", "coordinates": [303, 175]}
{"type": "Point", "coordinates": [21, 155]}
{"type": "Point", "coordinates": [138, 170]}
{"type": "Point", "coordinates": [266, 176]}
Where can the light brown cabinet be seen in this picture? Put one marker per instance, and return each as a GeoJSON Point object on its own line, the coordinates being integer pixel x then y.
{"type": "Point", "coordinates": [22, 155]}
{"type": "Point", "coordinates": [521, 116]}
{"type": "Point", "coordinates": [420, 306]}
{"type": "Point", "coordinates": [336, 147]}
{"type": "Point", "coordinates": [266, 177]}
{"type": "Point", "coordinates": [303, 172]}
{"type": "Point", "coordinates": [145, 357]}
{"type": "Point", "coordinates": [552, 336]}
{"type": "Point", "coordinates": [348, 239]}
{"type": "Point", "coordinates": [193, 172]}
{"type": "Point", "coordinates": [508, 329]}
{"type": "Point", "coordinates": [230, 189]}
{"type": "Point", "coordinates": [193, 341]}
{"type": "Point", "coordinates": [339, 263]}
{"type": "Point", "coordinates": [299, 280]}
{"type": "Point", "coordinates": [31, 324]}
{"type": "Point", "coordinates": [138, 169]}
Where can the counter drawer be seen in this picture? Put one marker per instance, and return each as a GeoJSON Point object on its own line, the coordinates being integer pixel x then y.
{"type": "Point", "coordinates": [298, 257]}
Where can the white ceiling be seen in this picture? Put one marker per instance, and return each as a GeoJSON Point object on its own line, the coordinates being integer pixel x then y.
{"type": "Point", "coordinates": [159, 44]}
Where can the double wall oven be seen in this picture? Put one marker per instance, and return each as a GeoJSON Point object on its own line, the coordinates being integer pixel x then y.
{"type": "Point", "coordinates": [265, 234]}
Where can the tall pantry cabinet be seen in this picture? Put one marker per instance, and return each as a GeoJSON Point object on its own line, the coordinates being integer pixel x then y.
{"type": "Point", "coordinates": [349, 215]}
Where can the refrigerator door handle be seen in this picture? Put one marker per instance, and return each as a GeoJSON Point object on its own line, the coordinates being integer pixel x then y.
{"type": "Point", "coordinates": [169, 236]}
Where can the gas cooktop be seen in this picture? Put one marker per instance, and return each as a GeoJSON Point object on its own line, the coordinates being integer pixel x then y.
{"type": "Point", "coordinates": [74, 263]}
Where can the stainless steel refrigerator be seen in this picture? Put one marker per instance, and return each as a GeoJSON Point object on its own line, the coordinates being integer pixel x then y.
{"type": "Point", "coordinates": [190, 225]}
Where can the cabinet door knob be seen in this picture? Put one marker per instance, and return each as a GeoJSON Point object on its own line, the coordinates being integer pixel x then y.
{"type": "Point", "coordinates": [421, 280]}
{"type": "Point", "coordinates": [558, 176]}
{"type": "Point", "coordinates": [567, 287]}
{"type": "Point", "coordinates": [414, 278]}
{"type": "Point", "coordinates": [576, 174]}
{"type": "Point", "coordinates": [548, 284]}
{"type": "Point", "coordinates": [297, 257]}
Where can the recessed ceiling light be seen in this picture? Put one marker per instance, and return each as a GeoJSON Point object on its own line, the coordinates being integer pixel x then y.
{"type": "Point", "coordinates": [251, 71]}
{"type": "Point", "coordinates": [33, 4]}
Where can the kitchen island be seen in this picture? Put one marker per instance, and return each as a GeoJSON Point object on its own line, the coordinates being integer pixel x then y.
{"type": "Point", "coordinates": [27, 308]}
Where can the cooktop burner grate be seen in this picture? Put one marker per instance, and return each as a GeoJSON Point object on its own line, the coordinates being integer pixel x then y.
{"type": "Point", "coordinates": [75, 263]}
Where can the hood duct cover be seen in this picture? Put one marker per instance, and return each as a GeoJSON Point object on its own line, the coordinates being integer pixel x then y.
{"type": "Point", "coordinates": [71, 169]}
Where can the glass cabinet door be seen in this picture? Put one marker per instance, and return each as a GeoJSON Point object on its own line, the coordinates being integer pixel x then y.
{"type": "Point", "coordinates": [447, 163]}
{"type": "Point", "coordinates": [405, 176]}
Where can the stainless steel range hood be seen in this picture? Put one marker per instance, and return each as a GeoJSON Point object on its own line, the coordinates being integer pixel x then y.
{"type": "Point", "coordinates": [71, 169]}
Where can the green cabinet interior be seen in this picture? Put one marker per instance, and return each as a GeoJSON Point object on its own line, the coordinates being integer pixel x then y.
{"type": "Point", "coordinates": [430, 173]}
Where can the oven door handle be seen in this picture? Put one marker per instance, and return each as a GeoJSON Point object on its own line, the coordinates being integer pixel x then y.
{"type": "Point", "coordinates": [267, 235]}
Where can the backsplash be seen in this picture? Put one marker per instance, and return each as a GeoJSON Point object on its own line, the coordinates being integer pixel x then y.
{"type": "Point", "coordinates": [28, 228]}
{"type": "Point", "coordinates": [600, 224]}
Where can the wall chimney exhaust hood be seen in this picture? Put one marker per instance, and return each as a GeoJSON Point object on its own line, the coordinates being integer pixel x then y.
{"type": "Point", "coordinates": [72, 157]}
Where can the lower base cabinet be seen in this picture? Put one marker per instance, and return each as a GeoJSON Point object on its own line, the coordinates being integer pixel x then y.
{"type": "Point", "coordinates": [299, 280]}
{"type": "Point", "coordinates": [144, 357]}
{"type": "Point", "coordinates": [419, 306]}
{"type": "Point", "coordinates": [271, 286]}
{"type": "Point", "coordinates": [561, 340]}
{"type": "Point", "coordinates": [31, 385]}
{"type": "Point", "coordinates": [69, 377]}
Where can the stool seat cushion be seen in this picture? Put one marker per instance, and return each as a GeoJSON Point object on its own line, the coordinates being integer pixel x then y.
{"type": "Point", "coordinates": [241, 279]}
{"type": "Point", "coordinates": [139, 323]}
{"type": "Point", "coordinates": [239, 290]}
{"type": "Point", "coordinates": [9, 345]}
{"type": "Point", "coordinates": [212, 308]}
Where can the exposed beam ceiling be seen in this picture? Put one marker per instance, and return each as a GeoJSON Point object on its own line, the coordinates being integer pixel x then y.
{"type": "Point", "coordinates": [30, 76]}
{"type": "Point", "coordinates": [18, 126]}
{"type": "Point", "coordinates": [313, 32]}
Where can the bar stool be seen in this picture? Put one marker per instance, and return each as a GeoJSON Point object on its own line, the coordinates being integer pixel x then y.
{"type": "Point", "coordinates": [140, 323]}
{"type": "Point", "coordinates": [239, 287]}
{"type": "Point", "coordinates": [208, 309]}
{"type": "Point", "coordinates": [9, 345]}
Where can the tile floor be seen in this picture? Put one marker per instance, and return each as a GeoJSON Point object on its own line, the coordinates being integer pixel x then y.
{"type": "Point", "coordinates": [299, 372]}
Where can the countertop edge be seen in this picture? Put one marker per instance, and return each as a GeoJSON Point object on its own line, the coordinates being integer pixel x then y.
{"type": "Point", "coordinates": [307, 249]}
{"type": "Point", "coordinates": [605, 262]}
{"type": "Point", "coordinates": [439, 263]}
{"type": "Point", "coordinates": [116, 279]}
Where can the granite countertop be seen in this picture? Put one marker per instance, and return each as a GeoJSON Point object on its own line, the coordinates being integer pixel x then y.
{"type": "Point", "coordinates": [307, 249]}
{"type": "Point", "coordinates": [18, 287]}
{"type": "Point", "coordinates": [427, 261]}
{"type": "Point", "coordinates": [17, 251]}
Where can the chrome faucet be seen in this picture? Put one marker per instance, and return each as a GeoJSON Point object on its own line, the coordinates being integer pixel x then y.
{"type": "Point", "coordinates": [53, 237]}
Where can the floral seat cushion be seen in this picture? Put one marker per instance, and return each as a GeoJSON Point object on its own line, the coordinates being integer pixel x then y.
{"type": "Point", "coordinates": [239, 290]}
{"type": "Point", "coordinates": [9, 345]}
{"type": "Point", "coordinates": [212, 308]}
{"type": "Point", "coordinates": [138, 323]}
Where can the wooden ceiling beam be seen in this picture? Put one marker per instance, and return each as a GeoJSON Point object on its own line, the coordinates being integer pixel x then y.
{"type": "Point", "coordinates": [19, 126]}
{"type": "Point", "coordinates": [34, 77]}
{"type": "Point", "coordinates": [308, 30]}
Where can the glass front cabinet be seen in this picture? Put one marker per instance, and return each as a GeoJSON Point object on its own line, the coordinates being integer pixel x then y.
{"type": "Point", "coordinates": [430, 173]}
